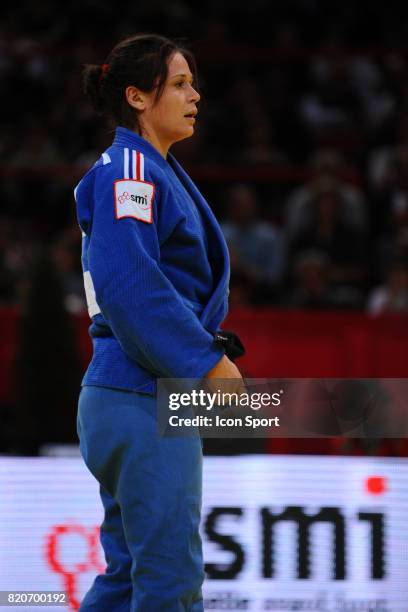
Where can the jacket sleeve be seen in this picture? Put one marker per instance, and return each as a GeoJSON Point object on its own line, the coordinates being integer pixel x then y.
{"type": "Point", "coordinates": [145, 312]}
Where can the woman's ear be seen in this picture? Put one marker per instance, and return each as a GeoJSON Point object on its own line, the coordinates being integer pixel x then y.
{"type": "Point", "coordinates": [135, 98]}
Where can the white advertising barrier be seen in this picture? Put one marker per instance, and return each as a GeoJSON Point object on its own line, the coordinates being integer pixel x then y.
{"type": "Point", "coordinates": [279, 533]}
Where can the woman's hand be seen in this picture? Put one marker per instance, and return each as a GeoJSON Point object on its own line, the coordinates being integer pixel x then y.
{"type": "Point", "coordinates": [226, 377]}
{"type": "Point", "coordinates": [224, 369]}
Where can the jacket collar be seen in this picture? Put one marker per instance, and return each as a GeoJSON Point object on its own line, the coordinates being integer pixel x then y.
{"type": "Point", "coordinates": [128, 138]}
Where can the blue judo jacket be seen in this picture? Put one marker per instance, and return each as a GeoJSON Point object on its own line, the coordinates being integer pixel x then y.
{"type": "Point", "coordinates": [156, 268]}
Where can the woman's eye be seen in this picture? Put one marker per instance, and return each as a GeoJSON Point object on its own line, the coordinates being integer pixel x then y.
{"type": "Point", "coordinates": [180, 84]}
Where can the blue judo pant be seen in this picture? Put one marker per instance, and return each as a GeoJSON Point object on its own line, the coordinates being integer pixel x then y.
{"type": "Point", "coordinates": [150, 487]}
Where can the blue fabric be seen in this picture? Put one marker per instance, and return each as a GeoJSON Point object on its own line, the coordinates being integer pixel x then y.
{"type": "Point", "coordinates": [151, 492]}
{"type": "Point", "coordinates": [161, 288]}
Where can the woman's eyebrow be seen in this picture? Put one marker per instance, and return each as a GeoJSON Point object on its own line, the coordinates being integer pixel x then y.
{"type": "Point", "coordinates": [186, 76]}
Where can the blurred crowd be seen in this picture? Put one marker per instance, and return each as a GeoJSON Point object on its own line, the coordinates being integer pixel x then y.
{"type": "Point", "coordinates": [301, 146]}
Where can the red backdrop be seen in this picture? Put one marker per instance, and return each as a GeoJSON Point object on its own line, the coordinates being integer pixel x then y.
{"type": "Point", "coordinates": [279, 344]}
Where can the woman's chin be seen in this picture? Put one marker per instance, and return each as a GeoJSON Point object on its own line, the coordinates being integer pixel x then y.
{"type": "Point", "coordinates": [186, 134]}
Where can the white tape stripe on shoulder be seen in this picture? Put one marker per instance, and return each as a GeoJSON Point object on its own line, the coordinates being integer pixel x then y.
{"type": "Point", "coordinates": [106, 159]}
{"type": "Point", "coordinates": [93, 307]}
{"type": "Point", "coordinates": [126, 163]}
{"type": "Point", "coordinates": [134, 177]}
{"type": "Point", "coordinates": [142, 167]}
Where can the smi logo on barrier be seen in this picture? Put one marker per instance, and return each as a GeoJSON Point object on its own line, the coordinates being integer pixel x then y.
{"type": "Point", "coordinates": [302, 547]}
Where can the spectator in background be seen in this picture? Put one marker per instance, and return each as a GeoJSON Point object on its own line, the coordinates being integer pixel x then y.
{"type": "Point", "coordinates": [376, 96]}
{"type": "Point", "coordinates": [328, 229]}
{"type": "Point", "coordinates": [313, 287]}
{"type": "Point", "coordinates": [392, 296]}
{"type": "Point", "coordinates": [389, 197]}
{"type": "Point", "coordinates": [65, 258]}
{"type": "Point", "coordinates": [382, 158]}
{"type": "Point", "coordinates": [311, 277]}
{"type": "Point", "coordinates": [330, 107]}
{"type": "Point", "coordinates": [37, 149]}
{"type": "Point", "coordinates": [346, 91]}
{"type": "Point", "coordinates": [256, 247]}
{"type": "Point", "coordinates": [327, 168]}
{"type": "Point", "coordinates": [18, 251]}
{"type": "Point", "coordinates": [382, 161]}
{"type": "Point", "coordinates": [328, 172]}
{"type": "Point", "coordinates": [261, 146]}
{"type": "Point", "coordinates": [241, 288]}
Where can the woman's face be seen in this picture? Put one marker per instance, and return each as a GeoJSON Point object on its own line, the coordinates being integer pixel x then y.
{"type": "Point", "coordinates": [172, 117]}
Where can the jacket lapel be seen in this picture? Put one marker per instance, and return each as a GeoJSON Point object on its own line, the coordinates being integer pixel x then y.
{"type": "Point", "coordinates": [218, 250]}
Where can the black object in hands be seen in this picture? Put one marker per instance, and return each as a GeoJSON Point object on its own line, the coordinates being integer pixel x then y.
{"type": "Point", "coordinates": [232, 344]}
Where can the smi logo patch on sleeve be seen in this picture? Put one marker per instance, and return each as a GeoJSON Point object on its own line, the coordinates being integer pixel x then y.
{"type": "Point", "coordinates": [134, 199]}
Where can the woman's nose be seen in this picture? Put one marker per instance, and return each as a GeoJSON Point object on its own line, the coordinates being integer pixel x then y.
{"type": "Point", "coordinates": [195, 96]}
